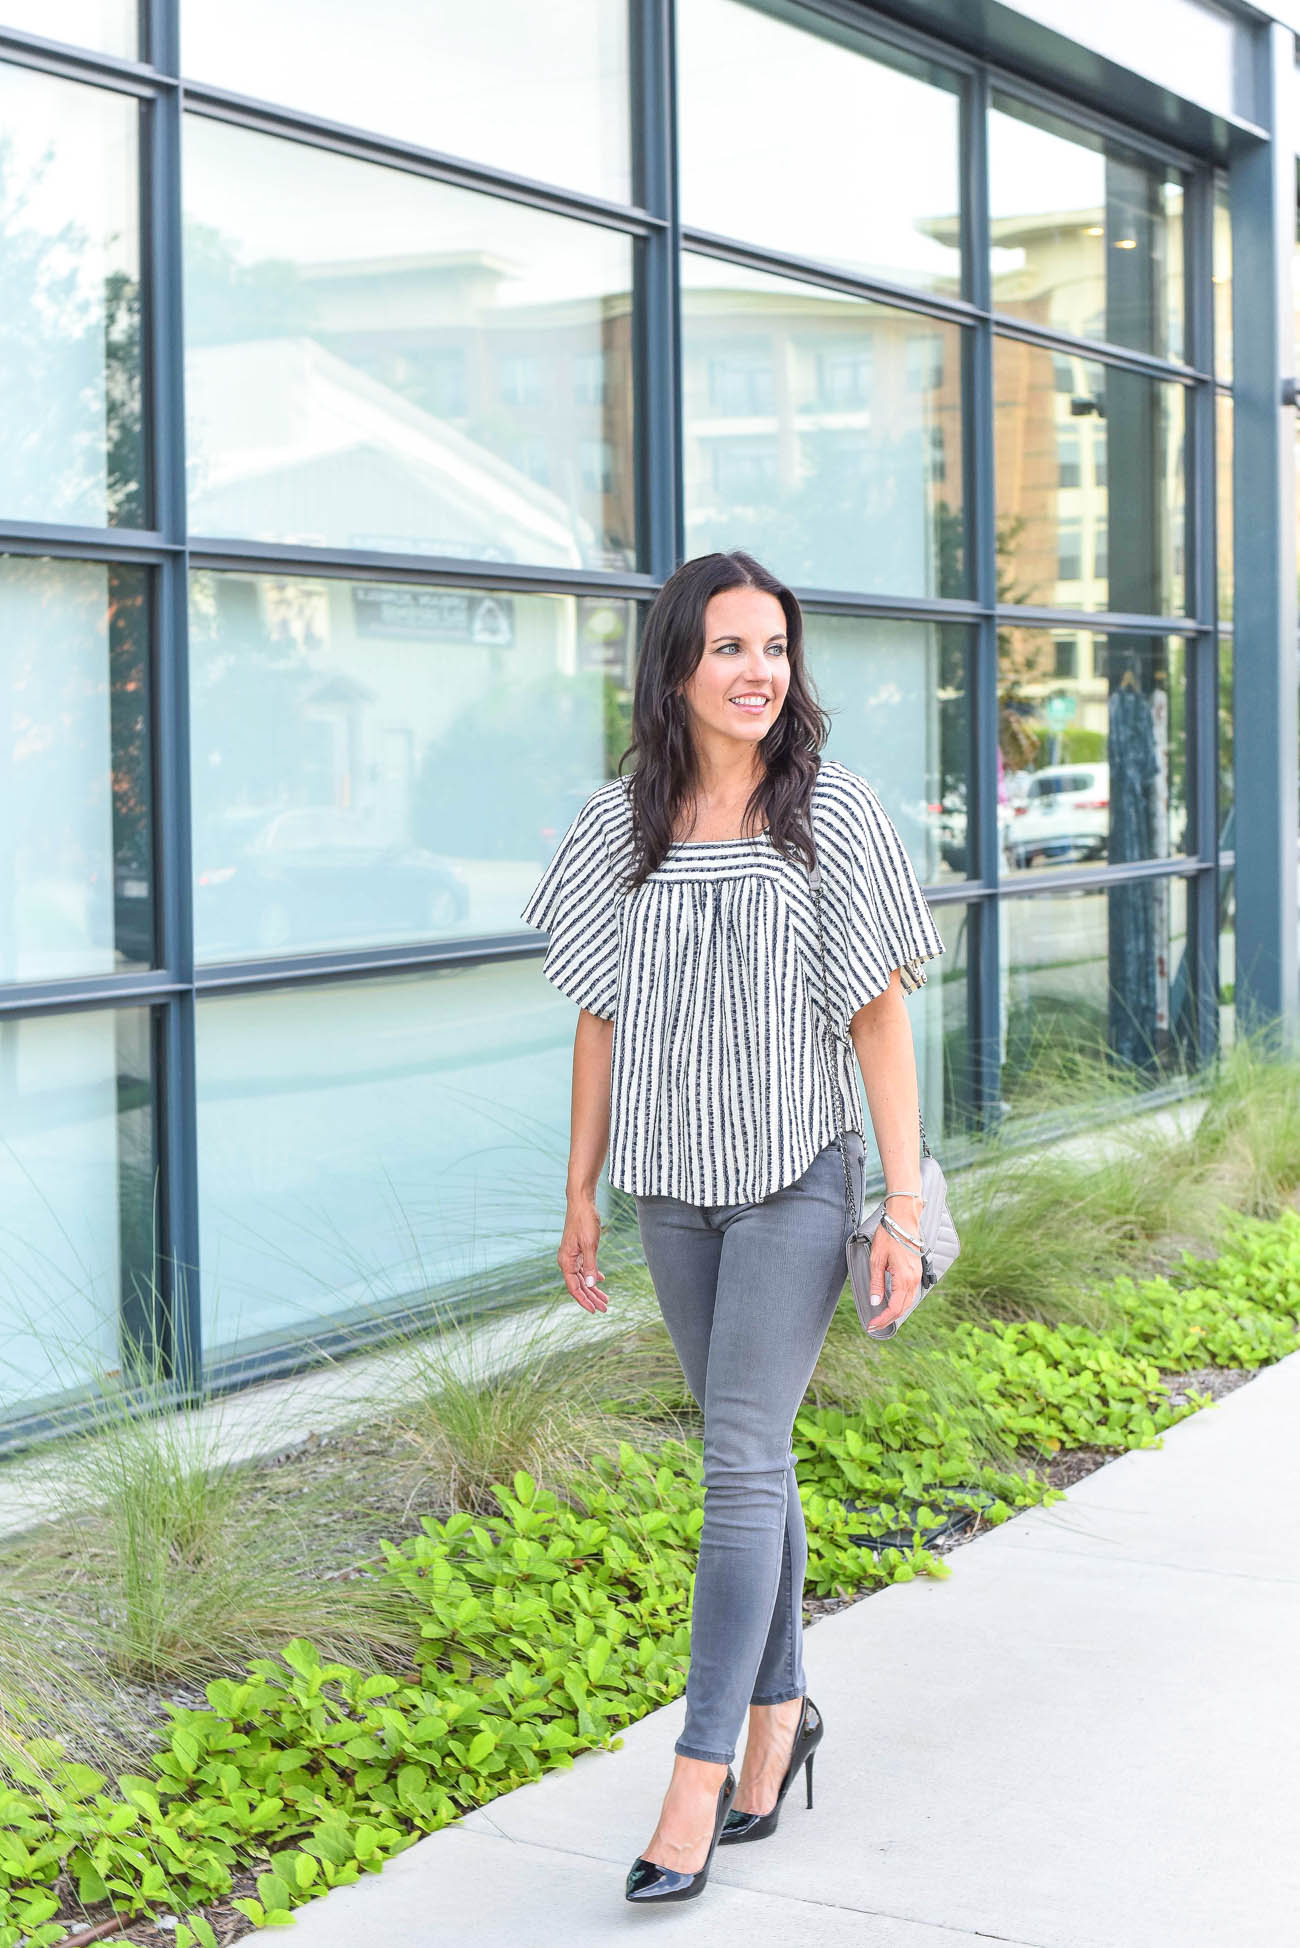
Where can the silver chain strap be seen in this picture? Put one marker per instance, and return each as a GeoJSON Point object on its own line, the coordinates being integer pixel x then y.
{"type": "Point", "coordinates": [847, 1040]}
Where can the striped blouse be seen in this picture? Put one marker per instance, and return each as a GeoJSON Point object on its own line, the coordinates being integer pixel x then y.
{"type": "Point", "coordinates": [722, 1069]}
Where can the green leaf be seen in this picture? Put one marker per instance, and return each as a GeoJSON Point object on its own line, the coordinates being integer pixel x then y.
{"type": "Point", "coordinates": [482, 1743]}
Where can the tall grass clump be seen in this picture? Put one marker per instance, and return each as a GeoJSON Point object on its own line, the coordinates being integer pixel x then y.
{"type": "Point", "coordinates": [543, 1391]}
{"type": "Point", "coordinates": [1249, 1136]}
{"type": "Point", "coordinates": [160, 1554]}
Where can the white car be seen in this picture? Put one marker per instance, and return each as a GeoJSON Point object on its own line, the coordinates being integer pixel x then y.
{"type": "Point", "coordinates": [1064, 816]}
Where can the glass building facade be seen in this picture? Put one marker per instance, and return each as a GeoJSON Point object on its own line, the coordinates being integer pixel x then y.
{"type": "Point", "coordinates": [354, 410]}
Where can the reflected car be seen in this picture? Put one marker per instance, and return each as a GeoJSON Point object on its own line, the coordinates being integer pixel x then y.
{"type": "Point", "coordinates": [1064, 816]}
{"type": "Point", "coordinates": [945, 819]}
{"type": "Point", "coordinates": [270, 882]}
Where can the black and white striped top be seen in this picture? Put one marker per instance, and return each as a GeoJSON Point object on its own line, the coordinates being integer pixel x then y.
{"type": "Point", "coordinates": [722, 1068]}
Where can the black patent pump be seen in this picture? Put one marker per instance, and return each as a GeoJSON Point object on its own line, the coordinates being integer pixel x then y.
{"type": "Point", "coordinates": [648, 1882]}
{"type": "Point", "coordinates": [757, 1826]}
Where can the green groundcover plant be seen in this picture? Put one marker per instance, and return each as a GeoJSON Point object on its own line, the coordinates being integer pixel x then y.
{"type": "Point", "coordinates": [547, 1628]}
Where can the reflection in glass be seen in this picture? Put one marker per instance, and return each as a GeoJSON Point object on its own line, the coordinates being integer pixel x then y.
{"type": "Point", "coordinates": [1097, 991]}
{"type": "Point", "coordinates": [539, 91]}
{"type": "Point", "coordinates": [72, 449]}
{"type": "Point", "coordinates": [1223, 429]}
{"type": "Point", "coordinates": [803, 142]}
{"type": "Point", "coordinates": [1222, 282]}
{"type": "Point", "coordinates": [822, 432]}
{"type": "Point", "coordinates": [897, 696]}
{"type": "Point", "coordinates": [1087, 238]}
{"type": "Point", "coordinates": [76, 1199]}
{"type": "Point", "coordinates": [1227, 882]}
{"type": "Point", "coordinates": [1089, 468]}
{"type": "Point", "coordinates": [379, 762]}
{"type": "Point", "coordinates": [76, 872]}
{"type": "Point", "coordinates": [1224, 746]}
{"type": "Point", "coordinates": [942, 1034]}
{"type": "Point", "coordinates": [379, 361]}
{"type": "Point", "coordinates": [109, 26]}
{"type": "Point", "coordinates": [1092, 748]}
{"type": "Point", "coordinates": [373, 1143]}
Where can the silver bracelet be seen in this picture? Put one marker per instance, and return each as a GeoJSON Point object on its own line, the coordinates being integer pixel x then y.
{"type": "Point", "coordinates": [904, 1237]}
{"type": "Point", "coordinates": [904, 1193]}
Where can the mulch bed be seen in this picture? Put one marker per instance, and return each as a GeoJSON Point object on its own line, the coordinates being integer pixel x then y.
{"type": "Point", "coordinates": [319, 1455]}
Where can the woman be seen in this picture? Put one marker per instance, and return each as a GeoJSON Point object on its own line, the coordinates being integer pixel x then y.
{"type": "Point", "coordinates": [681, 920]}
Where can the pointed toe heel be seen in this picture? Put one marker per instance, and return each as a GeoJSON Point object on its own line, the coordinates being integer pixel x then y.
{"type": "Point", "coordinates": [647, 1881]}
{"type": "Point", "coordinates": [756, 1826]}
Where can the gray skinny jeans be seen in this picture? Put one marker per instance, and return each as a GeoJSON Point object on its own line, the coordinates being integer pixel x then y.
{"type": "Point", "coordinates": [747, 1292]}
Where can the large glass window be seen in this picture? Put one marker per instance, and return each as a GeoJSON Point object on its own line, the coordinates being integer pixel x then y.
{"type": "Point", "coordinates": [379, 361]}
{"type": "Point", "coordinates": [1114, 536]}
{"type": "Point", "coordinates": [823, 432]}
{"type": "Point", "coordinates": [109, 26]}
{"type": "Point", "coordinates": [1087, 238]}
{"type": "Point", "coordinates": [72, 448]}
{"type": "Point", "coordinates": [1097, 990]}
{"type": "Point", "coordinates": [77, 1197]}
{"type": "Point", "coordinates": [798, 139]}
{"type": "Point", "coordinates": [367, 1143]}
{"type": "Point", "coordinates": [897, 695]}
{"type": "Point", "coordinates": [541, 91]}
{"type": "Point", "coordinates": [377, 762]}
{"type": "Point", "coordinates": [76, 861]}
{"type": "Point", "coordinates": [1093, 748]}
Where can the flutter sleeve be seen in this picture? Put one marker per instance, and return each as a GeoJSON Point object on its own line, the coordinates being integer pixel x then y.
{"type": "Point", "coordinates": [576, 902]}
{"type": "Point", "coordinates": [890, 922]}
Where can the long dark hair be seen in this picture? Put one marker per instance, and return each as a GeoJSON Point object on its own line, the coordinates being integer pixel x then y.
{"type": "Point", "coordinates": [666, 777]}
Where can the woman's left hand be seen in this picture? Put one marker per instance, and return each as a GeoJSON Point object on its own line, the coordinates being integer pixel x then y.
{"type": "Point", "coordinates": [902, 1264]}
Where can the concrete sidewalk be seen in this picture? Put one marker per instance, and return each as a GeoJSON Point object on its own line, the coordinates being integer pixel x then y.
{"type": "Point", "coordinates": [1089, 1737]}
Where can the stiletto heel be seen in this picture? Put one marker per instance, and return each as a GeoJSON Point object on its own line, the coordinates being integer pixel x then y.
{"type": "Point", "coordinates": [646, 1881]}
{"type": "Point", "coordinates": [757, 1826]}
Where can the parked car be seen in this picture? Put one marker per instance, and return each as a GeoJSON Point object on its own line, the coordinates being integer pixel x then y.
{"type": "Point", "coordinates": [1064, 816]}
{"type": "Point", "coordinates": [269, 881]}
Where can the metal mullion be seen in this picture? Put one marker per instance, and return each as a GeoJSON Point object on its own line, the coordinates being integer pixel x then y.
{"type": "Point", "coordinates": [658, 314]}
{"type": "Point", "coordinates": [830, 277]}
{"type": "Point", "coordinates": [1102, 622]}
{"type": "Point", "coordinates": [959, 892]}
{"type": "Point", "coordinates": [889, 608]}
{"type": "Point", "coordinates": [302, 969]}
{"type": "Point", "coordinates": [983, 862]}
{"type": "Point", "coordinates": [1202, 661]}
{"type": "Point", "coordinates": [86, 991]}
{"type": "Point", "coordinates": [177, 1147]}
{"type": "Point", "coordinates": [1262, 193]}
{"type": "Point", "coordinates": [389, 152]}
{"type": "Point", "coordinates": [98, 70]}
{"type": "Point", "coordinates": [82, 544]}
{"type": "Point", "coordinates": [256, 557]}
{"type": "Point", "coordinates": [1085, 879]}
{"type": "Point", "coordinates": [1103, 351]}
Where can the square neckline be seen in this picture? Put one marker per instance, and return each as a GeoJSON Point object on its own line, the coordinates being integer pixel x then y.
{"type": "Point", "coordinates": [688, 844]}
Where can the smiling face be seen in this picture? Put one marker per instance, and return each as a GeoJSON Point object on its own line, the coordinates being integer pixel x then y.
{"type": "Point", "coordinates": [738, 686]}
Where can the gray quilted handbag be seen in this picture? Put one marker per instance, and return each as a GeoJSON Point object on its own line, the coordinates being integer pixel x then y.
{"type": "Point", "coordinates": [938, 1232]}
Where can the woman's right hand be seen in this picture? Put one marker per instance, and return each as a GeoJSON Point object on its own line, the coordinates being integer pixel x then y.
{"type": "Point", "coordinates": [577, 1254]}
